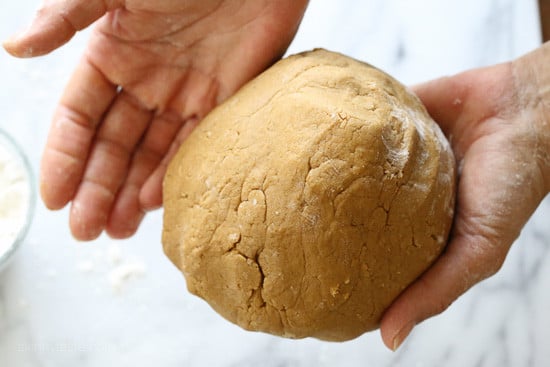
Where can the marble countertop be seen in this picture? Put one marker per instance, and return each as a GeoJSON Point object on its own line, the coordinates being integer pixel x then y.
{"type": "Point", "coordinates": [121, 303]}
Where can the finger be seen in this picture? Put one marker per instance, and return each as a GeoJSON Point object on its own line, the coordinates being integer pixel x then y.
{"type": "Point", "coordinates": [127, 211]}
{"type": "Point", "coordinates": [150, 196]}
{"type": "Point", "coordinates": [55, 24]}
{"type": "Point", "coordinates": [467, 260]}
{"type": "Point", "coordinates": [444, 99]}
{"type": "Point", "coordinates": [475, 92]}
{"type": "Point", "coordinates": [107, 166]}
{"type": "Point", "coordinates": [84, 102]}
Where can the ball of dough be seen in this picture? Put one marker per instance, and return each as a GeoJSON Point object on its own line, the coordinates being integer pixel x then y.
{"type": "Point", "coordinates": [307, 202]}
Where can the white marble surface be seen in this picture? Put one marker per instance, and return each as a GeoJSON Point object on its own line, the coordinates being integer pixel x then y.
{"type": "Point", "coordinates": [64, 303]}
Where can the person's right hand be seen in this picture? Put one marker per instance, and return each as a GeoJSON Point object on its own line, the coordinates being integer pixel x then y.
{"type": "Point", "coordinates": [151, 71]}
{"type": "Point", "coordinates": [498, 122]}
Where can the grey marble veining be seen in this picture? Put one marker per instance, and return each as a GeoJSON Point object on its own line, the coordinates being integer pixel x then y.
{"type": "Point", "coordinates": [58, 306]}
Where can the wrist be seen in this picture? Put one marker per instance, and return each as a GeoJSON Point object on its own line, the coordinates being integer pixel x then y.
{"type": "Point", "coordinates": [532, 83]}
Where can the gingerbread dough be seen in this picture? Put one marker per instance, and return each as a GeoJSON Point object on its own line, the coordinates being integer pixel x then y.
{"type": "Point", "coordinates": [307, 202]}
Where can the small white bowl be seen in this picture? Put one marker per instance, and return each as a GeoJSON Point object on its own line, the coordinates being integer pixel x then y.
{"type": "Point", "coordinates": [20, 161]}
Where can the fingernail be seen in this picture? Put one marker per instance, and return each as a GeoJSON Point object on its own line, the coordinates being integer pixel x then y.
{"type": "Point", "coordinates": [401, 336]}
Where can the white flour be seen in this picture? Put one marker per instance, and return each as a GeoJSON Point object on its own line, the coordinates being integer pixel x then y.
{"type": "Point", "coordinates": [14, 197]}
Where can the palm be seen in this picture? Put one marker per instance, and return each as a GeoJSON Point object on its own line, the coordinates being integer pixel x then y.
{"type": "Point", "coordinates": [493, 204]}
{"type": "Point", "coordinates": [151, 71]}
{"type": "Point", "coordinates": [494, 133]}
{"type": "Point", "coordinates": [166, 53]}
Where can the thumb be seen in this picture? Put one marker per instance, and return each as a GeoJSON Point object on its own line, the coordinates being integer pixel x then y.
{"type": "Point", "coordinates": [474, 93]}
{"type": "Point", "coordinates": [55, 24]}
{"type": "Point", "coordinates": [444, 99]}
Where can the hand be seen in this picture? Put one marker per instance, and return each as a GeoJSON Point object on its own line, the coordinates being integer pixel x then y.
{"type": "Point", "coordinates": [498, 122]}
{"type": "Point", "coordinates": [151, 71]}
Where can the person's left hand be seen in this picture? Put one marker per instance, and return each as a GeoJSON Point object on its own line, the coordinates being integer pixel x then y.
{"type": "Point", "coordinates": [151, 71]}
{"type": "Point", "coordinates": [498, 124]}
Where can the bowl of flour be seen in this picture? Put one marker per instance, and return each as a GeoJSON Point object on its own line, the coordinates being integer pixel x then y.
{"type": "Point", "coordinates": [16, 197]}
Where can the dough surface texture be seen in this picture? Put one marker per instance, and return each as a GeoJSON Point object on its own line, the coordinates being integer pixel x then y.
{"type": "Point", "coordinates": [307, 202]}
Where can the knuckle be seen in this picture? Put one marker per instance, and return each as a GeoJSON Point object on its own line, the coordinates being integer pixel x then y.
{"type": "Point", "coordinates": [488, 256]}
